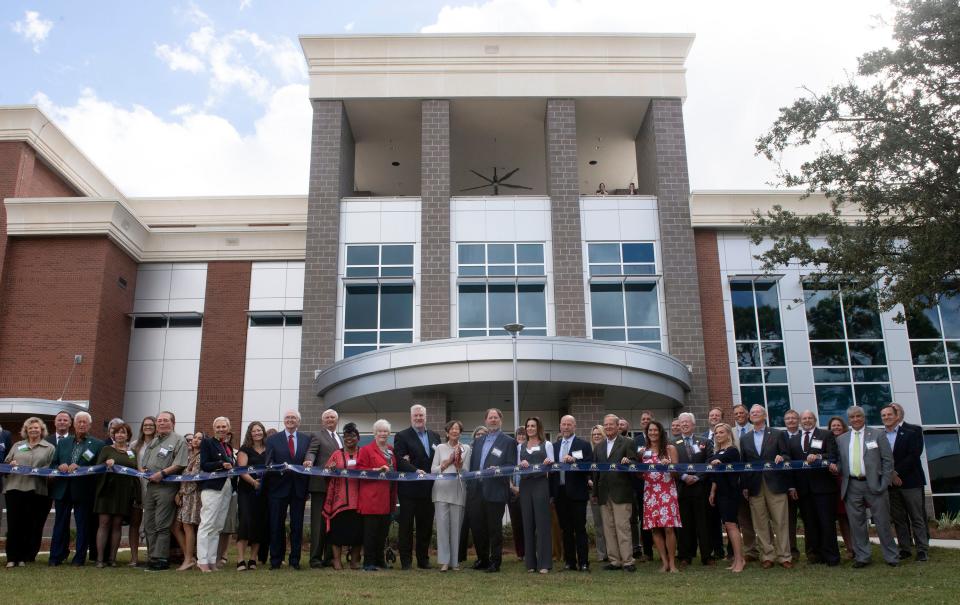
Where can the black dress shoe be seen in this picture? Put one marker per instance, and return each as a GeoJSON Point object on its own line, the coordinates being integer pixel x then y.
{"type": "Point", "coordinates": [612, 567]}
{"type": "Point", "coordinates": [295, 566]}
{"type": "Point", "coordinates": [480, 565]}
{"type": "Point", "coordinates": [860, 564]}
{"type": "Point", "coordinates": [493, 569]}
{"type": "Point", "coordinates": [424, 565]}
{"type": "Point", "coordinates": [584, 568]}
{"type": "Point", "coordinates": [921, 557]}
{"type": "Point", "coordinates": [893, 564]}
{"type": "Point", "coordinates": [904, 554]}
{"type": "Point", "coordinates": [569, 567]}
{"type": "Point", "coordinates": [630, 568]}
{"type": "Point", "coordinates": [405, 567]}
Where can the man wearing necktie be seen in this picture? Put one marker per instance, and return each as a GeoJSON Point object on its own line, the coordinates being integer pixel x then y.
{"type": "Point", "coordinates": [816, 490]}
{"type": "Point", "coordinates": [323, 444]}
{"type": "Point", "coordinates": [287, 491]}
{"type": "Point", "coordinates": [692, 492]}
{"type": "Point", "coordinates": [570, 495]}
{"type": "Point", "coordinates": [906, 487]}
{"type": "Point", "coordinates": [414, 447]}
{"type": "Point", "coordinates": [742, 428]}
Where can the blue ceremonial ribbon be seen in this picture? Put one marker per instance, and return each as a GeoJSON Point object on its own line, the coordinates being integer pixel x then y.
{"type": "Point", "coordinates": [495, 472]}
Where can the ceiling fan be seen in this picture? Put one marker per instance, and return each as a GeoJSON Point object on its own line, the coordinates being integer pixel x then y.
{"type": "Point", "coordinates": [496, 182]}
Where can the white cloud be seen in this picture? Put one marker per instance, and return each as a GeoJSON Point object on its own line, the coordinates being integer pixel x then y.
{"type": "Point", "coordinates": [245, 4]}
{"type": "Point", "coordinates": [749, 59]}
{"type": "Point", "coordinates": [33, 29]}
{"type": "Point", "coordinates": [196, 152]}
{"type": "Point", "coordinates": [177, 59]}
{"type": "Point", "coordinates": [349, 26]}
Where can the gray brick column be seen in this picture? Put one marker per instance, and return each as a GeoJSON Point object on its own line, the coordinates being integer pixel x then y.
{"type": "Point", "coordinates": [564, 190]}
{"type": "Point", "coordinates": [662, 171]}
{"type": "Point", "coordinates": [434, 219]}
{"type": "Point", "coordinates": [331, 177]}
{"type": "Point", "coordinates": [436, 404]}
{"type": "Point", "coordinates": [586, 406]}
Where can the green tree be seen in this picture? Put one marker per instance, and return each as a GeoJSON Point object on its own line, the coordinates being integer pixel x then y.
{"type": "Point", "coordinates": [885, 150]}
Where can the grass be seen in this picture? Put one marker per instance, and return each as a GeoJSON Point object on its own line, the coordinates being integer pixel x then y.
{"type": "Point", "coordinates": [932, 582]}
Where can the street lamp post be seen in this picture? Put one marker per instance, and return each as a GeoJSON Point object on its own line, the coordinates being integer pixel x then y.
{"type": "Point", "coordinates": [514, 329]}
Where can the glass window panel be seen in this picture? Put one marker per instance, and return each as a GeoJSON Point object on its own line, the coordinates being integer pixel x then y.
{"type": "Point", "coordinates": [396, 337]}
{"type": "Point", "coordinates": [502, 305]}
{"type": "Point", "coordinates": [744, 319]}
{"type": "Point", "coordinates": [294, 320]}
{"type": "Point", "coordinates": [863, 320]}
{"type": "Point", "coordinates": [831, 375]}
{"type": "Point", "coordinates": [650, 345]}
{"type": "Point", "coordinates": [150, 322]}
{"type": "Point", "coordinates": [778, 402]}
{"type": "Point", "coordinates": [823, 314]}
{"type": "Point", "coordinates": [604, 253]}
{"type": "Point", "coordinates": [396, 271]}
{"type": "Point", "coordinates": [931, 373]}
{"type": "Point", "coordinates": [355, 350]}
{"type": "Point", "coordinates": [953, 352]}
{"type": "Point", "coordinates": [773, 354]}
{"type": "Point", "coordinates": [266, 320]}
{"type": "Point", "coordinates": [470, 254]}
{"type": "Point", "coordinates": [955, 372]}
{"type": "Point", "coordinates": [943, 461]}
{"type": "Point", "coordinates": [833, 400]}
{"type": "Point", "coordinates": [604, 269]}
{"type": "Point", "coordinates": [360, 338]}
{"type": "Point", "coordinates": [638, 253]}
{"type": "Point", "coordinates": [396, 307]}
{"type": "Point", "coordinates": [643, 334]}
{"type": "Point", "coordinates": [500, 270]}
{"type": "Point", "coordinates": [363, 255]}
{"type": "Point", "coordinates": [751, 396]}
{"type": "Point", "coordinates": [748, 355]}
{"type": "Point", "coordinates": [361, 271]}
{"type": "Point", "coordinates": [472, 306]}
{"type": "Point", "coordinates": [751, 377]}
{"type": "Point", "coordinates": [190, 322]}
{"type": "Point", "coordinates": [871, 375]}
{"type": "Point", "coordinates": [956, 395]}
{"type": "Point", "coordinates": [470, 333]}
{"type": "Point", "coordinates": [535, 331]}
{"type": "Point", "coordinates": [950, 315]}
{"type": "Point", "coordinates": [606, 305]}
{"type": "Point", "coordinates": [639, 269]}
{"type": "Point", "coordinates": [924, 325]}
{"type": "Point", "coordinates": [641, 301]}
{"type": "Point", "coordinates": [530, 253]}
{"type": "Point", "coordinates": [867, 353]}
{"type": "Point", "coordinates": [500, 254]}
{"type": "Point", "coordinates": [946, 504]}
{"type": "Point", "coordinates": [768, 310]}
{"type": "Point", "coordinates": [872, 397]}
{"type": "Point", "coordinates": [472, 271]}
{"type": "Point", "coordinates": [828, 353]}
{"type": "Point", "coordinates": [609, 334]}
{"type": "Point", "coordinates": [927, 352]}
{"type": "Point", "coordinates": [530, 270]}
{"type": "Point", "coordinates": [775, 376]}
{"type": "Point", "coordinates": [936, 404]}
{"type": "Point", "coordinates": [532, 305]}
{"type": "Point", "coordinates": [396, 255]}
{"type": "Point", "coordinates": [361, 307]}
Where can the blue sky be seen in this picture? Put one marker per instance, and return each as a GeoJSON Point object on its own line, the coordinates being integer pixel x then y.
{"type": "Point", "coordinates": [209, 97]}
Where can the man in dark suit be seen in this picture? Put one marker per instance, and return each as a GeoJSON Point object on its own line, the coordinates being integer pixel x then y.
{"type": "Point", "coordinates": [767, 490]}
{"type": "Point", "coordinates": [486, 522]}
{"type": "Point", "coordinates": [322, 445]}
{"type": "Point", "coordinates": [693, 489]}
{"type": "Point", "coordinates": [816, 490]}
{"type": "Point", "coordinates": [791, 428]}
{"type": "Point", "coordinates": [906, 486]}
{"type": "Point", "coordinates": [414, 447]}
{"type": "Point", "coordinates": [75, 494]}
{"type": "Point", "coordinates": [615, 495]}
{"type": "Point", "coordinates": [61, 427]}
{"type": "Point", "coordinates": [570, 494]}
{"type": "Point", "coordinates": [287, 490]}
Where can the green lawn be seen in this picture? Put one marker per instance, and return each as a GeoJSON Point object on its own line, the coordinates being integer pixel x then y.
{"type": "Point", "coordinates": [934, 582]}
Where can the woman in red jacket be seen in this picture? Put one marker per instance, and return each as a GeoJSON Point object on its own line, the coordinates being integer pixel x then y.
{"type": "Point", "coordinates": [377, 498]}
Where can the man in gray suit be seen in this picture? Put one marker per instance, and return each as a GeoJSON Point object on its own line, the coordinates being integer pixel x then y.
{"type": "Point", "coordinates": [324, 443]}
{"type": "Point", "coordinates": [866, 466]}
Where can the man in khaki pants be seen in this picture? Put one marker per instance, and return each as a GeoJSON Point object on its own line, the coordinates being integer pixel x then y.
{"type": "Point", "coordinates": [615, 495]}
{"type": "Point", "coordinates": [768, 490]}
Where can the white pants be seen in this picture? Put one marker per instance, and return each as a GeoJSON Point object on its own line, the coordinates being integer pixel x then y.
{"type": "Point", "coordinates": [213, 514]}
{"type": "Point", "coordinates": [449, 518]}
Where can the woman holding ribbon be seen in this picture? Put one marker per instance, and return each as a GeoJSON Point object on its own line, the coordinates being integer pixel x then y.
{"type": "Point", "coordinates": [254, 520]}
{"type": "Point", "coordinates": [535, 498]}
{"type": "Point", "coordinates": [188, 501]}
{"type": "Point", "coordinates": [27, 502]}
{"type": "Point", "coordinates": [377, 498]}
{"type": "Point", "coordinates": [661, 512]}
{"type": "Point", "coordinates": [725, 493]}
{"type": "Point", "coordinates": [216, 455]}
{"type": "Point", "coordinates": [116, 494]}
{"type": "Point", "coordinates": [344, 525]}
{"type": "Point", "coordinates": [449, 496]}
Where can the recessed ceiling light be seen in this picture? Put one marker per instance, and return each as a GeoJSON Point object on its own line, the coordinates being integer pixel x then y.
{"type": "Point", "coordinates": [394, 163]}
{"type": "Point", "coordinates": [592, 162]}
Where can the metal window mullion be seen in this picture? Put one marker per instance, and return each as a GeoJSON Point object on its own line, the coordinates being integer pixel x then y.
{"type": "Point", "coordinates": [379, 294]}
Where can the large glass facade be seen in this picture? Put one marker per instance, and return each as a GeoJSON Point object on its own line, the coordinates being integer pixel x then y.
{"type": "Point", "coordinates": [847, 351]}
{"type": "Point", "coordinates": [378, 303]}
{"type": "Point", "coordinates": [935, 349]}
{"type": "Point", "coordinates": [758, 336]}
{"type": "Point", "coordinates": [624, 306]}
{"type": "Point", "coordinates": [501, 283]}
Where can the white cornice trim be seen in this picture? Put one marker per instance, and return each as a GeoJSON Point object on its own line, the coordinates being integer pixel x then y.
{"type": "Point", "coordinates": [733, 209]}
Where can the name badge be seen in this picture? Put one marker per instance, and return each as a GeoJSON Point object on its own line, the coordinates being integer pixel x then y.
{"type": "Point", "coordinates": [130, 453]}
{"type": "Point", "coordinates": [433, 446]}
{"type": "Point", "coordinates": [163, 452]}
{"type": "Point", "coordinates": [639, 447]}
{"type": "Point", "coordinates": [817, 443]}
{"type": "Point", "coordinates": [24, 448]}
{"type": "Point", "coordinates": [871, 445]}
{"type": "Point", "coordinates": [696, 448]}
{"type": "Point", "coordinates": [577, 454]}
{"type": "Point", "coordinates": [535, 448]}
{"type": "Point", "coordinates": [87, 455]}
{"type": "Point", "coordinates": [498, 452]}
{"type": "Point", "coordinates": [351, 463]}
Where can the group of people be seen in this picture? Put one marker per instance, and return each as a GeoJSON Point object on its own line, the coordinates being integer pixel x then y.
{"type": "Point", "coordinates": [681, 514]}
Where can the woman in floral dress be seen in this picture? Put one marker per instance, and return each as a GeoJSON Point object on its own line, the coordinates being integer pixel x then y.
{"type": "Point", "coordinates": [661, 513]}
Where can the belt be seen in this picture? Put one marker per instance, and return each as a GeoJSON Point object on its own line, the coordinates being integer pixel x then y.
{"type": "Point", "coordinates": [858, 478]}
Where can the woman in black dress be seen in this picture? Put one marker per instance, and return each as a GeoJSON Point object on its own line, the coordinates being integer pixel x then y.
{"type": "Point", "coordinates": [115, 495]}
{"type": "Point", "coordinates": [251, 498]}
{"type": "Point", "coordinates": [344, 525]}
{"type": "Point", "coordinates": [725, 492]}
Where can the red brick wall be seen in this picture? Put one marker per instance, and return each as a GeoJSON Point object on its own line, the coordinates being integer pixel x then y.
{"type": "Point", "coordinates": [46, 183]}
{"type": "Point", "coordinates": [223, 347]}
{"type": "Point", "coordinates": [59, 298]}
{"type": "Point", "coordinates": [719, 387]}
